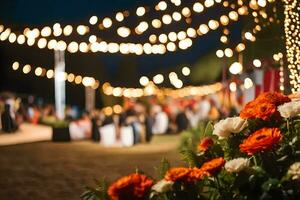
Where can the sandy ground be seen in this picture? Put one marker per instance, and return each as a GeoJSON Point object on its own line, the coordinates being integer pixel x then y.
{"type": "Point", "coordinates": [46, 170]}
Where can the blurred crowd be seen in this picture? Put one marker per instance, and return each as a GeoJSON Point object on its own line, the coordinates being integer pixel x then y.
{"type": "Point", "coordinates": [136, 121]}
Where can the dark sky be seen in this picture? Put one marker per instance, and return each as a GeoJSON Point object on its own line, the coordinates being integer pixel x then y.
{"type": "Point", "coordinates": [105, 67]}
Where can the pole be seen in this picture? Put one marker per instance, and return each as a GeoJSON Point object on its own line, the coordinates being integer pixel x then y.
{"type": "Point", "coordinates": [59, 83]}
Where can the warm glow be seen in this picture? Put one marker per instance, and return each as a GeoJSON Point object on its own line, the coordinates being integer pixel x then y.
{"type": "Point", "coordinates": [38, 71]}
{"type": "Point", "coordinates": [257, 63]}
{"type": "Point", "coordinates": [42, 43]}
{"type": "Point", "coordinates": [68, 30]}
{"type": "Point", "coordinates": [26, 69]}
{"type": "Point", "coordinates": [166, 19]}
{"type": "Point", "coordinates": [156, 23]}
{"type": "Point", "coordinates": [176, 16]}
{"type": "Point", "coordinates": [107, 22]}
{"type": "Point", "coordinates": [93, 20]}
{"type": "Point", "coordinates": [158, 79]}
{"type": "Point", "coordinates": [144, 81]}
{"type": "Point", "coordinates": [123, 31]}
{"type": "Point", "coordinates": [15, 66]}
{"type": "Point", "coordinates": [236, 68]}
{"type": "Point", "coordinates": [186, 71]}
{"type": "Point", "coordinates": [140, 11]}
{"type": "Point", "coordinates": [50, 73]}
{"type": "Point", "coordinates": [81, 29]}
{"type": "Point", "coordinates": [119, 17]}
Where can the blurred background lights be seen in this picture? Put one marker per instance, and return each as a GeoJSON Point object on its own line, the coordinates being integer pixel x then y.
{"type": "Point", "coordinates": [15, 66]}
{"type": "Point", "coordinates": [235, 68]}
{"type": "Point", "coordinates": [93, 20]}
{"type": "Point", "coordinates": [26, 69]}
{"type": "Point", "coordinates": [186, 71]}
{"type": "Point", "coordinates": [257, 63]}
{"type": "Point", "coordinates": [232, 86]}
{"type": "Point", "coordinates": [248, 83]}
{"type": "Point", "coordinates": [144, 81]}
{"type": "Point", "coordinates": [158, 79]}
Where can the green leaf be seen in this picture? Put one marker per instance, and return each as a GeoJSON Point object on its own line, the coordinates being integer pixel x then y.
{"type": "Point", "coordinates": [190, 157]}
{"type": "Point", "coordinates": [163, 168]}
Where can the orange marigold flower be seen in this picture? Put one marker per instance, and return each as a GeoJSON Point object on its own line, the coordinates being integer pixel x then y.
{"type": "Point", "coordinates": [134, 186]}
{"type": "Point", "coordinates": [275, 98]}
{"type": "Point", "coordinates": [178, 174]}
{"type": "Point", "coordinates": [197, 174]}
{"type": "Point", "coordinates": [213, 165]}
{"type": "Point", "coordinates": [261, 140]}
{"type": "Point", "coordinates": [205, 144]}
{"type": "Point", "coordinates": [264, 106]}
{"type": "Point", "coordinates": [185, 175]}
{"type": "Point", "coordinates": [264, 111]}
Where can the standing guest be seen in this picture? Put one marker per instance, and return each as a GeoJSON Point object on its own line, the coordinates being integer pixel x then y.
{"type": "Point", "coordinates": [8, 122]}
{"type": "Point", "coordinates": [182, 120]}
{"type": "Point", "coordinates": [161, 120]}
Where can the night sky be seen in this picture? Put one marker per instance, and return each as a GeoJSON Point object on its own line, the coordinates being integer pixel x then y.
{"type": "Point", "coordinates": [118, 69]}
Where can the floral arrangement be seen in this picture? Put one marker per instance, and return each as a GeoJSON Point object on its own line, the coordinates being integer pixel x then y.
{"type": "Point", "coordinates": [253, 156]}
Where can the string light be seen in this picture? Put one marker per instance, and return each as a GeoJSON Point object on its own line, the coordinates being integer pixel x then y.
{"type": "Point", "coordinates": [292, 35]}
{"type": "Point", "coordinates": [113, 47]}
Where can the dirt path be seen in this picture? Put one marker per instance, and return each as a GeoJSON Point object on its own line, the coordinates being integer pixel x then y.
{"type": "Point", "coordinates": [42, 171]}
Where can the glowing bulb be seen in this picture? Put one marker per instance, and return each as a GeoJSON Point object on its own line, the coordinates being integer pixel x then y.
{"type": "Point", "coordinates": [162, 5]}
{"type": "Point", "coordinates": [21, 39]}
{"type": "Point", "coordinates": [140, 11]}
{"type": "Point", "coordinates": [73, 47]}
{"type": "Point", "coordinates": [257, 63]}
{"type": "Point", "coordinates": [119, 17]}
{"type": "Point", "coordinates": [198, 7]}
{"type": "Point", "coordinates": [232, 86]}
{"type": "Point", "coordinates": [186, 71]}
{"type": "Point", "coordinates": [68, 30]}
{"type": "Point", "coordinates": [12, 38]}
{"type": "Point", "coordinates": [203, 28]}
{"type": "Point", "coordinates": [158, 79]}
{"type": "Point", "coordinates": [209, 3]}
{"type": "Point", "coordinates": [236, 68]}
{"type": "Point", "coordinates": [144, 81]}
{"type": "Point", "coordinates": [172, 36]}
{"type": "Point", "coordinates": [171, 46]}
{"type": "Point", "coordinates": [46, 31]}
{"type": "Point", "coordinates": [219, 53]}
{"type": "Point", "coordinates": [176, 16]}
{"type": "Point", "coordinates": [163, 38]}
{"type": "Point", "coordinates": [228, 52]}
{"type": "Point", "coordinates": [191, 32]}
{"type": "Point", "coordinates": [15, 66]}
{"type": "Point", "coordinates": [38, 71]}
{"type": "Point", "coordinates": [93, 20]}
{"type": "Point", "coordinates": [107, 22]}
{"type": "Point", "coordinates": [166, 19]}
{"type": "Point", "coordinates": [42, 43]}
{"type": "Point", "coordinates": [26, 69]}
{"type": "Point", "coordinates": [81, 29]}
{"type": "Point", "coordinates": [186, 12]}
{"type": "Point", "coordinates": [156, 23]}
{"type": "Point", "coordinates": [123, 31]}
{"type": "Point", "coordinates": [50, 73]}
{"type": "Point", "coordinates": [248, 83]}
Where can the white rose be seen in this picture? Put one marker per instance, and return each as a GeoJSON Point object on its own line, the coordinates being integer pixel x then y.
{"type": "Point", "coordinates": [225, 127]}
{"type": "Point", "coordinates": [237, 165]}
{"type": "Point", "coordinates": [290, 109]}
{"type": "Point", "coordinates": [294, 171]}
{"type": "Point", "coordinates": [162, 186]}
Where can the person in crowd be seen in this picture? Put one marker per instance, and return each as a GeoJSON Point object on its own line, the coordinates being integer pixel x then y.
{"type": "Point", "coordinates": [161, 120]}
{"type": "Point", "coordinates": [81, 128]}
{"type": "Point", "coordinates": [8, 122]}
{"type": "Point", "coordinates": [182, 121]}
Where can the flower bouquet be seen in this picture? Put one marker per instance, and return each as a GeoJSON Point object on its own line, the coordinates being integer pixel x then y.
{"type": "Point", "coordinates": [253, 156]}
